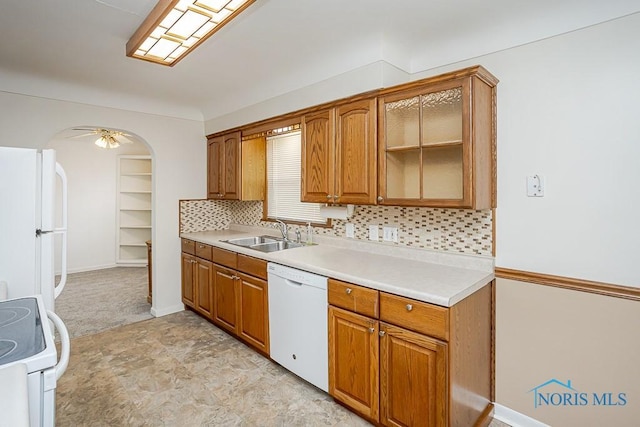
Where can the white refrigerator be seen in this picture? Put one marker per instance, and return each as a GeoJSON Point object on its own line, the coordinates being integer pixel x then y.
{"type": "Point", "coordinates": [27, 224]}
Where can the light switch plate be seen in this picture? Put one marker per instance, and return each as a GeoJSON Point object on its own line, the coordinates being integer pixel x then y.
{"type": "Point", "coordinates": [373, 232]}
{"type": "Point", "coordinates": [350, 230]}
{"type": "Point", "coordinates": [535, 186]}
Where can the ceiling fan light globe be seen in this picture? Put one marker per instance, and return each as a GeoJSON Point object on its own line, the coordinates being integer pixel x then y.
{"type": "Point", "coordinates": [101, 142]}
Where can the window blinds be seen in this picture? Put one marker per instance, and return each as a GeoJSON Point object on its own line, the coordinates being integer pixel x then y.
{"type": "Point", "coordinates": [283, 181]}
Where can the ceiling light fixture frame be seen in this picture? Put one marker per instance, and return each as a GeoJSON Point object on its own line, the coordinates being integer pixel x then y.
{"type": "Point", "coordinates": [156, 17]}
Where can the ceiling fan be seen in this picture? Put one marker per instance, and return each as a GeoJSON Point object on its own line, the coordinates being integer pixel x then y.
{"type": "Point", "coordinates": [107, 138]}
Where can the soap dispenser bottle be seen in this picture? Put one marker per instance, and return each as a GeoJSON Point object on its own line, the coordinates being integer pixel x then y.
{"type": "Point", "coordinates": [309, 234]}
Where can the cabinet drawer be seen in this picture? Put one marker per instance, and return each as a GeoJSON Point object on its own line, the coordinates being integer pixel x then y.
{"type": "Point", "coordinates": [418, 316]}
{"type": "Point", "coordinates": [353, 297]}
{"type": "Point", "coordinates": [224, 257]}
{"type": "Point", "coordinates": [253, 266]}
{"type": "Point", "coordinates": [203, 251]}
{"type": "Point", "coordinates": [189, 246]}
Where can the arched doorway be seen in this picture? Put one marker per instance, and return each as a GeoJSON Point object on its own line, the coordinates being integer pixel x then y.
{"type": "Point", "coordinates": [110, 218]}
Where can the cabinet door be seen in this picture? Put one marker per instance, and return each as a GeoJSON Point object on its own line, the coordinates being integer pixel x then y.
{"type": "Point", "coordinates": [413, 378]}
{"type": "Point", "coordinates": [188, 279]}
{"type": "Point", "coordinates": [231, 166]}
{"type": "Point", "coordinates": [215, 156]}
{"type": "Point", "coordinates": [225, 294]}
{"type": "Point", "coordinates": [353, 361]}
{"type": "Point", "coordinates": [253, 323]}
{"type": "Point", "coordinates": [356, 152]}
{"type": "Point", "coordinates": [318, 157]}
{"type": "Point", "coordinates": [428, 137]}
{"type": "Point", "coordinates": [204, 286]}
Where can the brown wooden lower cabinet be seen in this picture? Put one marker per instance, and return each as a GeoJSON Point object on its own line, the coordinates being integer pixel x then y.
{"type": "Point", "coordinates": [197, 284]}
{"type": "Point", "coordinates": [225, 295]}
{"type": "Point", "coordinates": [219, 289]}
{"type": "Point", "coordinates": [253, 312]}
{"type": "Point", "coordinates": [353, 361]}
{"type": "Point", "coordinates": [413, 378]}
{"type": "Point", "coordinates": [188, 279]}
{"type": "Point", "coordinates": [395, 374]}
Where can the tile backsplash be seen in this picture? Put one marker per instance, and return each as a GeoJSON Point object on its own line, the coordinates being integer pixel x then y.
{"type": "Point", "coordinates": [451, 230]}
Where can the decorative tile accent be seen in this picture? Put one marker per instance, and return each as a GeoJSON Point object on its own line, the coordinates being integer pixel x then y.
{"type": "Point", "coordinates": [202, 215]}
{"type": "Point", "coordinates": [451, 230]}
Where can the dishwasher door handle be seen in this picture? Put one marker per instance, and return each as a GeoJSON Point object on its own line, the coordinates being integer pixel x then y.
{"type": "Point", "coordinates": [293, 284]}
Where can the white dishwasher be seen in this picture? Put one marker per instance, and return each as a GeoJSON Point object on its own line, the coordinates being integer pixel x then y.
{"type": "Point", "coordinates": [298, 323]}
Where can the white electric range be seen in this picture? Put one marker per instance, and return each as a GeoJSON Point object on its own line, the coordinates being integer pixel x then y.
{"type": "Point", "coordinates": [26, 337]}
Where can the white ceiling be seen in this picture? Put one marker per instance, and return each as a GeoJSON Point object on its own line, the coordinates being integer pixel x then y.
{"type": "Point", "coordinates": [75, 49]}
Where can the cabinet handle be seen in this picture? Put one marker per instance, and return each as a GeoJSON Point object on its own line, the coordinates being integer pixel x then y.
{"type": "Point", "coordinates": [381, 333]}
{"type": "Point", "coordinates": [409, 307]}
{"type": "Point", "coordinates": [380, 199]}
{"type": "Point", "coordinates": [336, 197]}
{"type": "Point", "coordinates": [372, 330]}
{"type": "Point", "coordinates": [328, 196]}
{"type": "Point", "coordinates": [348, 291]}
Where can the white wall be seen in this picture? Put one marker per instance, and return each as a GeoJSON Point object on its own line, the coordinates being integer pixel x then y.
{"type": "Point", "coordinates": [179, 167]}
{"type": "Point", "coordinates": [92, 200]}
{"type": "Point", "coordinates": [568, 110]}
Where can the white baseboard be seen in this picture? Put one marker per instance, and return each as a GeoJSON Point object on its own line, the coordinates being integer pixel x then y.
{"type": "Point", "coordinates": [167, 310]}
{"type": "Point", "coordinates": [91, 268]}
{"type": "Point", "coordinates": [513, 418]}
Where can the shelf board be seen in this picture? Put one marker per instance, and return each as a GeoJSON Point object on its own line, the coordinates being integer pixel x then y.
{"type": "Point", "coordinates": [136, 209]}
{"type": "Point", "coordinates": [134, 244]}
{"type": "Point", "coordinates": [135, 226]}
{"type": "Point", "coordinates": [136, 174]}
{"type": "Point", "coordinates": [136, 191]}
{"type": "Point", "coordinates": [427, 145]}
{"type": "Point", "coordinates": [442, 143]}
{"type": "Point", "coordinates": [402, 148]}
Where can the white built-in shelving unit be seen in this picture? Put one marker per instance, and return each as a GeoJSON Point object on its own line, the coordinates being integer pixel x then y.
{"type": "Point", "coordinates": [133, 209]}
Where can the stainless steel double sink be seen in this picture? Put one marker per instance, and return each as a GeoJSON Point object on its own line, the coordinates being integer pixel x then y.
{"type": "Point", "coordinates": [264, 243]}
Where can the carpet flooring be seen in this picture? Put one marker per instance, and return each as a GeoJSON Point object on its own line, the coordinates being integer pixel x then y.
{"type": "Point", "coordinates": [99, 300]}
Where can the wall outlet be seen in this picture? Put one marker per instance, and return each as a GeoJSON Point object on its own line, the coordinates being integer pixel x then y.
{"type": "Point", "coordinates": [390, 234]}
{"type": "Point", "coordinates": [373, 232]}
{"type": "Point", "coordinates": [350, 230]}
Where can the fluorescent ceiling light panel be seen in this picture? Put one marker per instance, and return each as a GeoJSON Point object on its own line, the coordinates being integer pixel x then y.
{"type": "Point", "coordinates": [175, 27]}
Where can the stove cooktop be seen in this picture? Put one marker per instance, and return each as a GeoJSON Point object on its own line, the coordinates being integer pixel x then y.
{"type": "Point", "coordinates": [21, 331]}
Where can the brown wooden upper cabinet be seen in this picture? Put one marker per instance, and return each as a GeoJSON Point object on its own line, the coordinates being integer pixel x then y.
{"type": "Point", "coordinates": [437, 141]}
{"type": "Point", "coordinates": [339, 154]}
{"type": "Point", "coordinates": [236, 168]}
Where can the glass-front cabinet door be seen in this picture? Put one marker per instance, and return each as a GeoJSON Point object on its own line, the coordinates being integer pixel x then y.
{"type": "Point", "coordinates": [426, 145]}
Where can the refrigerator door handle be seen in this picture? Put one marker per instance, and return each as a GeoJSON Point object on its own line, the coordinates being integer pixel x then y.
{"type": "Point", "coordinates": [63, 233]}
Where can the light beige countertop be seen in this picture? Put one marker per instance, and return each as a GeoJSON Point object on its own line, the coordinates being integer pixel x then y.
{"type": "Point", "coordinates": [434, 277]}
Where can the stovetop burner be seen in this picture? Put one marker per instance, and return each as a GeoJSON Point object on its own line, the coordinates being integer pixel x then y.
{"type": "Point", "coordinates": [21, 334]}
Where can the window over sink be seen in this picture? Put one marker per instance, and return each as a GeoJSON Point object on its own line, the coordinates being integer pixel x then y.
{"type": "Point", "coordinates": [283, 181]}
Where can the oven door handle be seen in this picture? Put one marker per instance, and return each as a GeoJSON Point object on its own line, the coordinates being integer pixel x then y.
{"type": "Point", "coordinates": [65, 344]}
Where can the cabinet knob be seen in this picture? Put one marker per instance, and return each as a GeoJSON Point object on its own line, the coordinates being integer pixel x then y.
{"type": "Point", "coordinates": [329, 197]}
{"type": "Point", "coordinates": [381, 333]}
{"type": "Point", "coordinates": [380, 198]}
{"type": "Point", "coordinates": [336, 197]}
{"type": "Point", "coordinates": [409, 307]}
{"type": "Point", "coordinates": [201, 246]}
{"type": "Point", "coordinates": [348, 291]}
{"type": "Point", "coordinates": [372, 330]}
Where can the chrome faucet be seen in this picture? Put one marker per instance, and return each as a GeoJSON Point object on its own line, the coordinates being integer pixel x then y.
{"type": "Point", "coordinates": [284, 229]}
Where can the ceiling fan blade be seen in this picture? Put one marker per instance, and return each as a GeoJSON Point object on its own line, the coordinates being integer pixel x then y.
{"type": "Point", "coordinates": [83, 135]}
{"type": "Point", "coordinates": [91, 129]}
{"type": "Point", "coordinates": [125, 138]}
